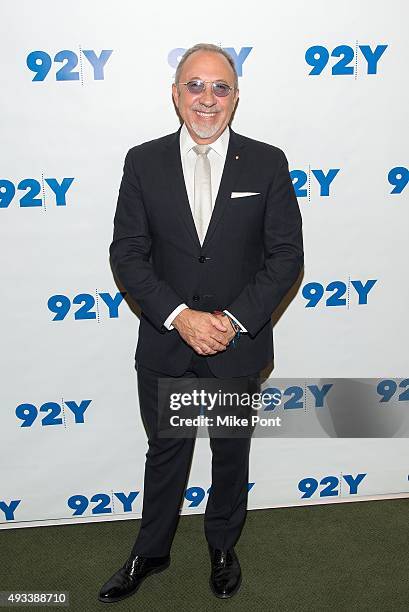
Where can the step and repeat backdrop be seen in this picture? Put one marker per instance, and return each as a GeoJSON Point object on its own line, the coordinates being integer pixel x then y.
{"type": "Point", "coordinates": [83, 83]}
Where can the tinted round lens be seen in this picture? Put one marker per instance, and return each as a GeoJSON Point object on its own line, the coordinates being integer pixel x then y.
{"type": "Point", "coordinates": [195, 87]}
{"type": "Point", "coordinates": [221, 89]}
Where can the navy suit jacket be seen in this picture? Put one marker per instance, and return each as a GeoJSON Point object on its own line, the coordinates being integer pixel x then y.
{"type": "Point", "coordinates": [251, 256]}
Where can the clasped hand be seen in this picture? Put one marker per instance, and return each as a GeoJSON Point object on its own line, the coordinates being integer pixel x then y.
{"type": "Point", "coordinates": [205, 332]}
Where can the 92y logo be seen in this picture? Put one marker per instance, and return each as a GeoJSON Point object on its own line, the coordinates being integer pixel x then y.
{"type": "Point", "coordinates": [32, 189]}
{"type": "Point", "coordinates": [196, 495]}
{"type": "Point", "coordinates": [318, 57]}
{"type": "Point", "coordinates": [7, 509]}
{"type": "Point", "coordinates": [320, 179]}
{"type": "Point", "coordinates": [330, 485]}
{"type": "Point", "coordinates": [90, 306]}
{"type": "Point", "coordinates": [104, 503]}
{"type": "Point", "coordinates": [239, 57]}
{"type": "Point", "coordinates": [356, 291]}
{"type": "Point", "coordinates": [399, 178]}
{"type": "Point", "coordinates": [40, 62]}
{"type": "Point", "coordinates": [49, 412]}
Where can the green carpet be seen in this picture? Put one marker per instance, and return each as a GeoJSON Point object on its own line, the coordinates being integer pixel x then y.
{"type": "Point", "coordinates": [350, 557]}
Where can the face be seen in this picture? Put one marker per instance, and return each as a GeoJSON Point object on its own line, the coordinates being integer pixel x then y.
{"type": "Point", "coordinates": [205, 115]}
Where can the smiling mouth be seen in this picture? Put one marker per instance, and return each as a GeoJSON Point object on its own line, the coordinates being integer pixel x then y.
{"type": "Point", "coordinates": [205, 115]}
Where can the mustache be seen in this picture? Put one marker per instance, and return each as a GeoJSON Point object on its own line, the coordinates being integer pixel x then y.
{"type": "Point", "coordinates": [205, 109]}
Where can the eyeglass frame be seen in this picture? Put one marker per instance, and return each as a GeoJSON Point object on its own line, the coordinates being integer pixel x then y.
{"type": "Point", "coordinates": [212, 82]}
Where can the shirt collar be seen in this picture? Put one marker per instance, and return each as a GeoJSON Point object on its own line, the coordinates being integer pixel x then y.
{"type": "Point", "coordinates": [219, 146]}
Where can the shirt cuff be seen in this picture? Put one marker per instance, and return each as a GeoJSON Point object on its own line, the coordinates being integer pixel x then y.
{"type": "Point", "coordinates": [173, 315]}
{"type": "Point", "coordinates": [243, 329]}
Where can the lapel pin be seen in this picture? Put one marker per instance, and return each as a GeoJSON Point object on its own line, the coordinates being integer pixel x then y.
{"type": "Point", "coordinates": [237, 157]}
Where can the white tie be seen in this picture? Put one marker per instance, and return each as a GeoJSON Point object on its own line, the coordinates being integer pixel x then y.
{"type": "Point", "coordinates": [202, 209]}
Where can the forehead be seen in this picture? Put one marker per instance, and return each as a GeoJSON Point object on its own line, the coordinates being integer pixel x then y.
{"type": "Point", "coordinates": [207, 65]}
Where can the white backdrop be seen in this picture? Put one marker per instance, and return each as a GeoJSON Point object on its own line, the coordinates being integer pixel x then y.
{"type": "Point", "coordinates": [77, 122]}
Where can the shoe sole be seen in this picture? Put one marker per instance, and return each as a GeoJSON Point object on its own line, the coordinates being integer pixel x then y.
{"type": "Point", "coordinates": [219, 595]}
{"type": "Point", "coordinates": [156, 570]}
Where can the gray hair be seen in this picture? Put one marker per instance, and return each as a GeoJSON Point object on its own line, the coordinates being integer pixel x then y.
{"type": "Point", "coordinates": [213, 49]}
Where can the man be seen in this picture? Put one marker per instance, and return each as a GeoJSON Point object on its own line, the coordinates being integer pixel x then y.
{"type": "Point", "coordinates": [208, 240]}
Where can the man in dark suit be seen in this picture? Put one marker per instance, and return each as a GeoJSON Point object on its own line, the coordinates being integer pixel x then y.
{"type": "Point", "coordinates": [208, 240]}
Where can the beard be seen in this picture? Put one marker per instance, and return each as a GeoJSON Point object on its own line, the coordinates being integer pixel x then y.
{"type": "Point", "coordinates": [204, 131]}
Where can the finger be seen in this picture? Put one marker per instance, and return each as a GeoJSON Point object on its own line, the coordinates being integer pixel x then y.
{"type": "Point", "coordinates": [217, 323]}
{"type": "Point", "coordinates": [220, 339]}
{"type": "Point", "coordinates": [212, 340]}
{"type": "Point", "coordinates": [208, 350]}
{"type": "Point", "coordinates": [200, 349]}
{"type": "Point", "coordinates": [216, 346]}
{"type": "Point", "coordinates": [219, 346]}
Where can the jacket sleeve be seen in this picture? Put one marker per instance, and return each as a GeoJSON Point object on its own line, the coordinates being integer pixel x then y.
{"type": "Point", "coordinates": [283, 248]}
{"type": "Point", "coordinates": [130, 252]}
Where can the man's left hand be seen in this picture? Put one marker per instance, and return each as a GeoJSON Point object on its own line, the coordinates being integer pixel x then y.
{"type": "Point", "coordinates": [230, 333]}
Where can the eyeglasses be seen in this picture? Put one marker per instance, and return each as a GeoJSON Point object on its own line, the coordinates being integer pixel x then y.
{"type": "Point", "coordinates": [219, 88]}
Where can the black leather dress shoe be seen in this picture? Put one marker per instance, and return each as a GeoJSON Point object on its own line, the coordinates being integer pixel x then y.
{"type": "Point", "coordinates": [225, 579]}
{"type": "Point", "coordinates": [127, 580]}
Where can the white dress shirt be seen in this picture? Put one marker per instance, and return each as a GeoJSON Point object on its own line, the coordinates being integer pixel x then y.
{"type": "Point", "coordinates": [217, 157]}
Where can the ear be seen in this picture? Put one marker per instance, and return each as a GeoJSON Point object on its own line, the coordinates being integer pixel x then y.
{"type": "Point", "coordinates": [175, 95]}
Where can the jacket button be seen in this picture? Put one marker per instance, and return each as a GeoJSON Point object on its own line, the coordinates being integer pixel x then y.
{"type": "Point", "coordinates": [202, 258]}
{"type": "Point", "coordinates": [196, 298]}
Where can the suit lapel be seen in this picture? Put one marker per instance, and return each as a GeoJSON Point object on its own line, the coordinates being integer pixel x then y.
{"type": "Point", "coordinates": [172, 166]}
{"type": "Point", "coordinates": [231, 170]}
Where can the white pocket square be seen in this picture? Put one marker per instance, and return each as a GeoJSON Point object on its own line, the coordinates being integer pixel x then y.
{"type": "Point", "coordinates": [243, 194]}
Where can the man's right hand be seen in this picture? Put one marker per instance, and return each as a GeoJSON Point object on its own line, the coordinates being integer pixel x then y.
{"type": "Point", "coordinates": [203, 331]}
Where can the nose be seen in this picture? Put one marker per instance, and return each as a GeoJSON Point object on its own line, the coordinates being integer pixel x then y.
{"type": "Point", "coordinates": [207, 97]}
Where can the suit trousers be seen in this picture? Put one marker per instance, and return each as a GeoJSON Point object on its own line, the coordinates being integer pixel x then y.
{"type": "Point", "coordinates": [167, 469]}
